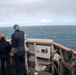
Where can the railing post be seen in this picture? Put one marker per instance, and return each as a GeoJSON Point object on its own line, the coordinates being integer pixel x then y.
{"type": "Point", "coordinates": [61, 66]}
{"type": "Point", "coordinates": [52, 53]}
{"type": "Point", "coordinates": [36, 62]}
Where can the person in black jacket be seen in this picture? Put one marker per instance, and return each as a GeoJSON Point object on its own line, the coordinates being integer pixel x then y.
{"type": "Point", "coordinates": [18, 49]}
{"type": "Point", "coordinates": [5, 49]}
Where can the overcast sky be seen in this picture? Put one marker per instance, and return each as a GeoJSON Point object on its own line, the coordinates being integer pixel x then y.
{"type": "Point", "coordinates": [37, 12]}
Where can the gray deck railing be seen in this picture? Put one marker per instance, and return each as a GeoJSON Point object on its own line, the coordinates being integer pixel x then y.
{"type": "Point", "coordinates": [66, 64]}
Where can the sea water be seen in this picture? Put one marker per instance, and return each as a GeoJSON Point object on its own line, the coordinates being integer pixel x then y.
{"type": "Point", "coordinates": [65, 35]}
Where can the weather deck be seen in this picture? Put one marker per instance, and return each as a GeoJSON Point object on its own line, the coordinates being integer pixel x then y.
{"type": "Point", "coordinates": [39, 73]}
{"type": "Point", "coordinates": [32, 71]}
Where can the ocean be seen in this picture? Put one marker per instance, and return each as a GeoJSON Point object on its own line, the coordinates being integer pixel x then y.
{"type": "Point", "coordinates": [65, 35]}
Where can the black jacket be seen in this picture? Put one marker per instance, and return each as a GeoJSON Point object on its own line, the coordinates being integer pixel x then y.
{"type": "Point", "coordinates": [5, 47]}
{"type": "Point", "coordinates": [17, 40]}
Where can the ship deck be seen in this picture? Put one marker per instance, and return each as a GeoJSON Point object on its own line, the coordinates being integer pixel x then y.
{"type": "Point", "coordinates": [32, 71]}
{"type": "Point", "coordinates": [39, 73]}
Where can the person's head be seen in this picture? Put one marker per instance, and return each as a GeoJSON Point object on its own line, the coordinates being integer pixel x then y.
{"type": "Point", "coordinates": [16, 27]}
{"type": "Point", "coordinates": [2, 36]}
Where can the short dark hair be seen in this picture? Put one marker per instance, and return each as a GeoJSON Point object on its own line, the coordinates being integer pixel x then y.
{"type": "Point", "coordinates": [16, 27]}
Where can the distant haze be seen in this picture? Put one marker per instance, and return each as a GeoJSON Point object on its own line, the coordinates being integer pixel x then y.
{"type": "Point", "coordinates": [37, 12]}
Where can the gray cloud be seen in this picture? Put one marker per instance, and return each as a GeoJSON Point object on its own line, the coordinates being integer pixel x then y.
{"type": "Point", "coordinates": [24, 8]}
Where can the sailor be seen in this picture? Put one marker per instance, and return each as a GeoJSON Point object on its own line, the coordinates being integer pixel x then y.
{"type": "Point", "coordinates": [5, 49]}
{"type": "Point", "coordinates": [17, 42]}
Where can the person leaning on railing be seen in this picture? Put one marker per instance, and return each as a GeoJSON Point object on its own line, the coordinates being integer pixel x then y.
{"type": "Point", "coordinates": [18, 49]}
